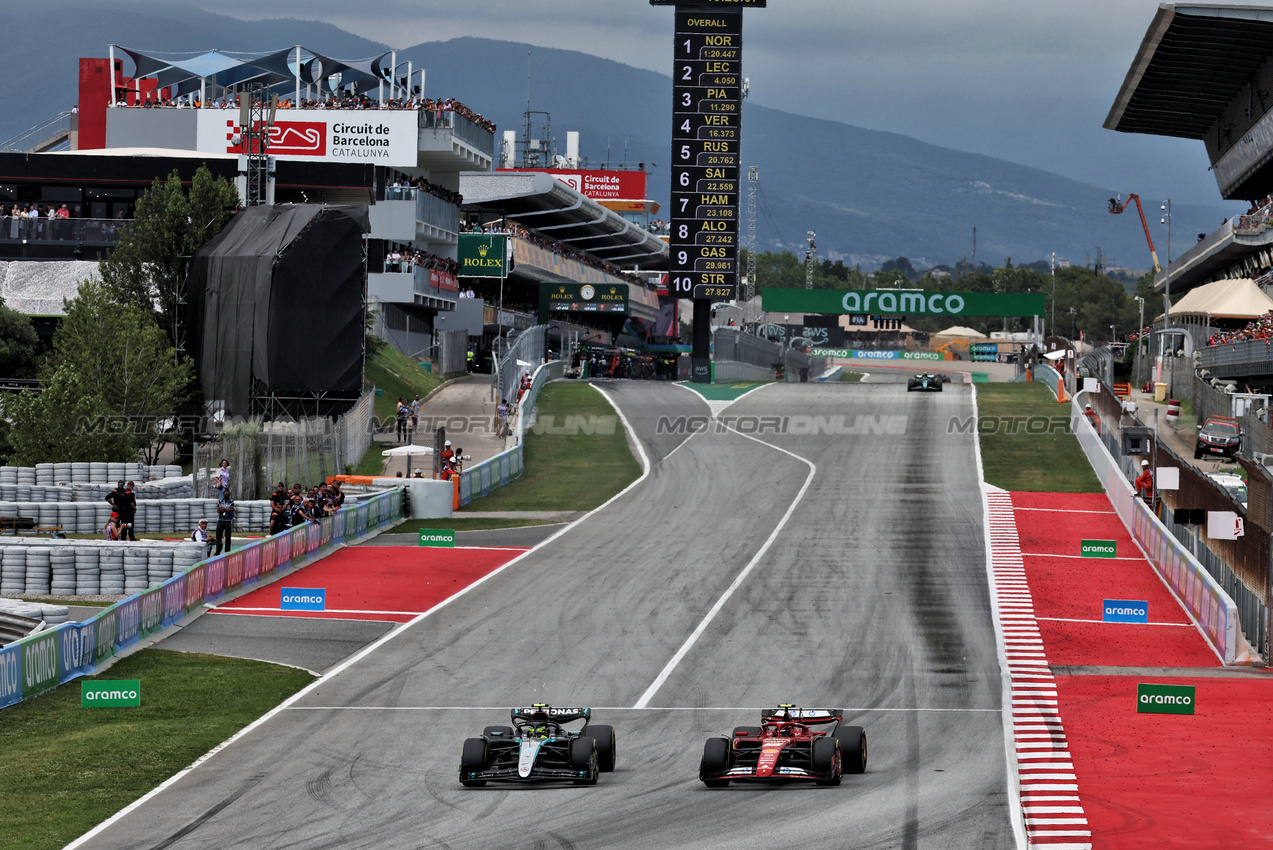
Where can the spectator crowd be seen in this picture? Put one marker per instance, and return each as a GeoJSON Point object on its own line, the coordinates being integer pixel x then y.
{"type": "Point", "coordinates": [513, 229]}
{"type": "Point", "coordinates": [1261, 329]}
{"type": "Point", "coordinates": [401, 183]}
{"type": "Point", "coordinates": [403, 260]}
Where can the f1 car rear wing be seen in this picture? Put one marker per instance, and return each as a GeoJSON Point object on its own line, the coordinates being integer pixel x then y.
{"type": "Point", "coordinates": [810, 716]}
{"type": "Point", "coordinates": [547, 712]}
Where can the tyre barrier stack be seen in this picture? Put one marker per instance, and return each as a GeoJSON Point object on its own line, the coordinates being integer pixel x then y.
{"type": "Point", "coordinates": [47, 658]}
{"type": "Point", "coordinates": [43, 474]}
{"type": "Point", "coordinates": [177, 516]}
{"type": "Point", "coordinates": [52, 615]}
{"type": "Point", "coordinates": [90, 567]}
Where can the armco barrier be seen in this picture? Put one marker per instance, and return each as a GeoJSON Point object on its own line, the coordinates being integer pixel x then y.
{"type": "Point", "coordinates": [42, 661]}
{"type": "Point", "coordinates": [1208, 604]}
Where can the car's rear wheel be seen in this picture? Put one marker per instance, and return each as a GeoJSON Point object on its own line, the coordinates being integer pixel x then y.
{"type": "Point", "coordinates": [746, 731]}
{"type": "Point", "coordinates": [852, 748]}
{"type": "Point", "coordinates": [826, 761]}
{"type": "Point", "coordinates": [604, 738]}
{"type": "Point", "coordinates": [502, 732]}
{"type": "Point", "coordinates": [717, 759]}
{"type": "Point", "coordinates": [583, 757]}
{"type": "Point", "coordinates": [473, 759]}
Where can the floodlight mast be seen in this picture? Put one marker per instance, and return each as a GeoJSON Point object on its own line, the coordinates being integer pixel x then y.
{"type": "Point", "coordinates": [1116, 206]}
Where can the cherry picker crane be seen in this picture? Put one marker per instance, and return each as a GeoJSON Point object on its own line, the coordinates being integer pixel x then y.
{"type": "Point", "coordinates": [1116, 206]}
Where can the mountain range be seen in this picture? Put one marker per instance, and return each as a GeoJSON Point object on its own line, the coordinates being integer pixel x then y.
{"type": "Point", "coordinates": [869, 195]}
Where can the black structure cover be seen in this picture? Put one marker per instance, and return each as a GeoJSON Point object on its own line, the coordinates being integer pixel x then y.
{"type": "Point", "coordinates": [277, 305]}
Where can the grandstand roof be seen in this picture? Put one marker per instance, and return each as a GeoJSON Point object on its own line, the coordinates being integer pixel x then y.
{"type": "Point", "coordinates": [1193, 62]}
{"type": "Point", "coordinates": [186, 72]}
{"type": "Point", "coordinates": [541, 203]}
{"type": "Point", "coordinates": [1225, 299]}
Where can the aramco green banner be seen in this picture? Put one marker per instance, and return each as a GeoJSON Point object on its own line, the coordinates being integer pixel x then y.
{"type": "Point", "coordinates": [483, 255]}
{"type": "Point", "coordinates": [901, 302]}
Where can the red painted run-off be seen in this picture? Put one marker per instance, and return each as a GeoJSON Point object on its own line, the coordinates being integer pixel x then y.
{"type": "Point", "coordinates": [379, 582]}
{"type": "Point", "coordinates": [1145, 780]}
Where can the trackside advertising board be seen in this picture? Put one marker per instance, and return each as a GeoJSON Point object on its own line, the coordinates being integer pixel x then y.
{"type": "Point", "coordinates": [437, 537]}
{"type": "Point", "coordinates": [1098, 548]}
{"type": "Point", "coordinates": [303, 599]}
{"type": "Point", "coordinates": [379, 137]}
{"type": "Point", "coordinates": [1125, 611]}
{"type": "Point", "coordinates": [482, 255]}
{"type": "Point", "coordinates": [121, 693]}
{"type": "Point", "coordinates": [902, 303]}
{"type": "Point", "coordinates": [1164, 699]}
{"type": "Point", "coordinates": [44, 660]}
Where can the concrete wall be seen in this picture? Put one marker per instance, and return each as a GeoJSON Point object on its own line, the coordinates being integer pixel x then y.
{"type": "Point", "coordinates": [154, 128]}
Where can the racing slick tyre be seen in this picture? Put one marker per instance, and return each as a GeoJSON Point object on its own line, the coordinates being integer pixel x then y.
{"type": "Point", "coordinates": [472, 759]}
{"type": "Point", "coordinates": [852, 748]}
{"type": "Point", "coordinates": [826, 761]}
{"type": "Point", "coordinates": [604, 738]}
{"type": "Point", "coordinates": [504, 733]}
{"type": "Point", "coordinates": [747, 731]}
{"type": "Point", "coordinates": [718, 757]}
{"type": "Point", "coordinates": [583, 757]}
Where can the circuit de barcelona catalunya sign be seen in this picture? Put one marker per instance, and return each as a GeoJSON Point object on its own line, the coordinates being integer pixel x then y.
{"type": "Point", "coordinates": [901, 302]}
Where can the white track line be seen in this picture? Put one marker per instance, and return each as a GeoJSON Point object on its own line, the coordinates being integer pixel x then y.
{"type": "Point", "coordinates": [738, 580]}
{"type": "Point", "coordinates": [367, 650]}
{"type": "Point", "coordinates": [1071, 620]}
{"type": "Point", "coordinates": [1042, 752]}
{"type": "Point", "coordinates": [996, 610]}
{"type": "Point", "coordinates": [734, 708]}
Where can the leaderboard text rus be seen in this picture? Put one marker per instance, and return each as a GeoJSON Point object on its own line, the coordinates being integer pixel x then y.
{"type": "Point", "coordinates": [707, 89]}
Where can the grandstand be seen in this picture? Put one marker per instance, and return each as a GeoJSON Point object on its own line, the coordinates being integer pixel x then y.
{"type": "Point", "coordinates": [1203, 72]}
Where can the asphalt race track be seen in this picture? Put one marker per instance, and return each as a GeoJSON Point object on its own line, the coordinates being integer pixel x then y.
{"type": "Point", "coordinates": [873, 597]}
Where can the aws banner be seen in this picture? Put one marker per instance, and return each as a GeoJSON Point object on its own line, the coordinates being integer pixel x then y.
{"type": "Point", "coordinates": [901, 302]}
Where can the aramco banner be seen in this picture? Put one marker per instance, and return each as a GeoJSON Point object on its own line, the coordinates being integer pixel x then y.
{"type": "Point", "coordinates": [901, 302]}
{"type": "Point", "coordinates": [483, 255]}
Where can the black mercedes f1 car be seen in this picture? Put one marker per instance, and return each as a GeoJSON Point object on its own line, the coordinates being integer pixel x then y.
{"type": "Point", "coordinates": [538, 746]}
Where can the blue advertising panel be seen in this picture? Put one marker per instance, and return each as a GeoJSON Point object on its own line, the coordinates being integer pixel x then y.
{"type": "Point", "coordinates": [174, 599]}
{"type": "Point", "coordinates": [10, 674]}
{"type": "Point", "coordinates": [128, 624]}
{"type": "Point", "coordinates": [303, 599]}
{"type": "Point", "coordinates": [106, 630]}
{"type": "Point", "coordinates": [79, 648]}
{"type": "Point", "coordinates": [1125, 611]}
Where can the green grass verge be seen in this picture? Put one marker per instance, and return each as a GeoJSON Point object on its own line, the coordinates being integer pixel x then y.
{"type": "Point", "coordinates": [398, 376]}
{"type": "Point", "coordinates": [568, 472]}
{"type": "Point", "coordinates": [69, 767]}
{"type": "Point", "coordinates": [463, 523]}
{"type": "Point", "coordinates": [851, 377]}
{"type": "Point", "coordinates": [373, 462]}
{"type": "Point", "coordinates": [1015, 459]}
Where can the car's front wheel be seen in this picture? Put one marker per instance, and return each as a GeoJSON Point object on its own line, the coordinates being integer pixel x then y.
{"type": "Point", "coordinates": [473, 759]}
{"type": "Point", "coordinates": [604, 738]}
{"type": "Point", "coordinates": [826, 761]}
{"type": "Point", "coordinates": [717, 759]}
{"type": "Point", "coordinates": [583, 758]}
{"type": "Point", "coordinates": [852, 748]}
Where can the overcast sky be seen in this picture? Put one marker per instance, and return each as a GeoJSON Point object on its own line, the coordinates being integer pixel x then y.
{"type": "Point", "coordinates": [1025, 81]}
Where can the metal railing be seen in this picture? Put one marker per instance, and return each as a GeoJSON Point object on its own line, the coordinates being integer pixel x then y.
{"type": "Point", "coordinates": [465, 130]}
{"type": "Point", "coordinates": [530, 348]}
{"type": "Point", "coordinates": [29, 140]}
{"type": "Point", "coordinates": [434, 211]}
{"type": "Point", "coordinates": [44, 229]}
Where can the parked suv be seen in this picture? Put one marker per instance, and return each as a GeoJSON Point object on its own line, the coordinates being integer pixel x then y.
{"type": "Point", "coordinates": [1220, 435]}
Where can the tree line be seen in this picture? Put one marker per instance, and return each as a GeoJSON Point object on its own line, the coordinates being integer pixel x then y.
{"type": "Point", "coordinates": [118, 368]}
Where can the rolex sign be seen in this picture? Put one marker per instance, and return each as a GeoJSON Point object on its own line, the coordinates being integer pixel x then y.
{"type": "Point", "coordinates": [483, 255]}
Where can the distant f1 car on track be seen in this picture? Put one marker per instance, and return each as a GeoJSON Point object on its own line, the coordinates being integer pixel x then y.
{"type": "Point", "coordinates": [539, 747]}
{"type": "Point", "coordinates": [784, 747]}
{"type": "Point", "coordinates": [926, 382]}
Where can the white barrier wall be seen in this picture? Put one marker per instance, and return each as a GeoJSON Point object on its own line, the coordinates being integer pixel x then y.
{"type": "Point", "coordinates": [1208, 605]}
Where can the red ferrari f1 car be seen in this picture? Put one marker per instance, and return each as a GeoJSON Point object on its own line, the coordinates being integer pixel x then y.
{"type": "Point", "coordinates": [785, 746]}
